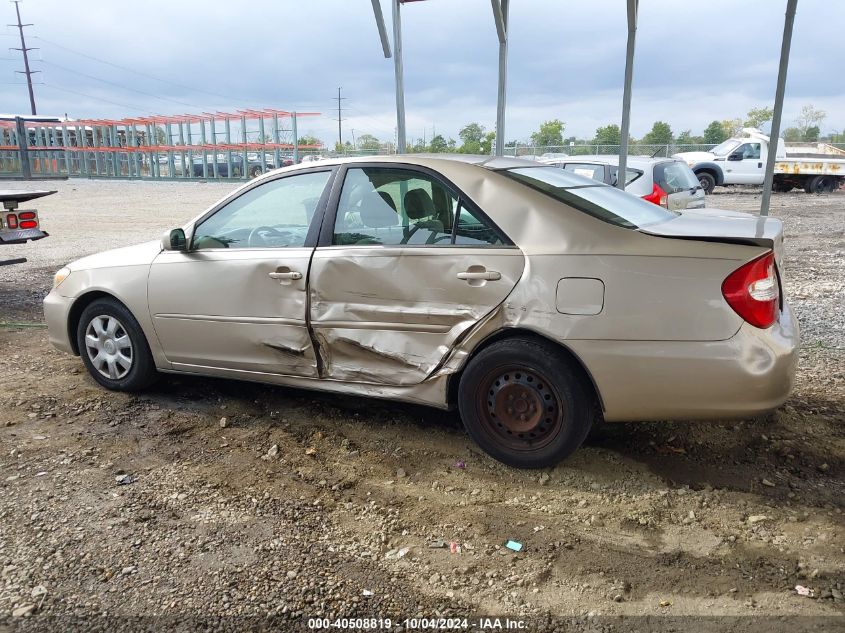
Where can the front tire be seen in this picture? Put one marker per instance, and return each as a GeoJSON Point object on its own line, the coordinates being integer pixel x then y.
{"type": "Point", "coordinates": [256, 171]}
{"type": "Point", "coordinates": [524, 404]}
{"type": "Point", "coordinates": [113, 347]}
{"type": "Point", "coordinates": [707, 182]}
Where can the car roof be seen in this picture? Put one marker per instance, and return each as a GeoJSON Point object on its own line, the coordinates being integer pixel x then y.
{"type": "Point", "coordinates": [612, 159]}
{"type": "Point", "coordinates": [489, 162]}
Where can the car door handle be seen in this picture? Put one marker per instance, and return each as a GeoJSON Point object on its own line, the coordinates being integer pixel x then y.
{"type": "Point", "coordinates": [486, 275]}
{"type": "Point", "coordinates": [287, 275]}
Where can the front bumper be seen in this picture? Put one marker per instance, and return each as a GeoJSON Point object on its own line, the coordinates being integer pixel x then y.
{"type": "Point", "coordinates": [751, 373]}
{"type": "Point", "coordinates": [56, 312]}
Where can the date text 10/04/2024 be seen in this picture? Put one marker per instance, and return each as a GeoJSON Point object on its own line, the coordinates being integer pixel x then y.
{"type": "Point", "coordinates": [431, 624]}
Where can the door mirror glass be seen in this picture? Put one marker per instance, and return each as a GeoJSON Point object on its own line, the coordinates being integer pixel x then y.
{"type": "Point", "coordinates": [735, 156]}
{"type": "Point", "coordinates": [174, 240]}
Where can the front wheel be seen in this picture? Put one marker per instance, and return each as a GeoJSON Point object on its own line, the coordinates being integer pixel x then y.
{"type": "Point", "coordinates": [255, 171]}
{"type": "Point", "coordinates": [707, 182]}
{"type": "Point", "coordinates": [113, 347]}
{"type": "Point", "coordinates": [523, 404]}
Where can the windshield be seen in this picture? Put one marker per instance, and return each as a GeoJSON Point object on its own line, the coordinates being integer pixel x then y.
{"type": "Point", "coordinates": [724, 148]}
{"type": "Point", "coordinates": [608, 204]}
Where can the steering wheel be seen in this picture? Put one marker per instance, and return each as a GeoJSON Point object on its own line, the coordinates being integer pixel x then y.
{"type": "Point", "coordinates": [255, 234]}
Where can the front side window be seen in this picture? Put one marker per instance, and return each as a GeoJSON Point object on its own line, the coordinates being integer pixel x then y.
{"type": "Point", "coordinates": [749, 151]}
{"type": "Point", "coordinates": [401, 207]}
{"type": "Point", "coordinates": [275, 214]}
{"type": "Point", "coordinates": [605, 203]}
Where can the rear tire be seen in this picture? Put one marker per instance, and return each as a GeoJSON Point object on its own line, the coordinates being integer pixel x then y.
{"type": "Point", "coordinates": [524, 404]}
{"type": "Point", "coordinates": [256, 171]}
{"type": "Point", "coordinates": [113, 347]}
{"type": "Point", "coordinates": [707, 182]}
{"type": "Point", "coordinates": [821, 184]}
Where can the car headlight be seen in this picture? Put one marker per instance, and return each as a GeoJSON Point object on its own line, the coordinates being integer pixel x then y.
{"type": "Point", "coordinates": [60, 276]}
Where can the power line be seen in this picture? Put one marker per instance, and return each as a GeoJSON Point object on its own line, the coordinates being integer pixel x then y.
{"type": "Point", "coordinates": [83, 94]}
{"type": "Point", "coordinates": [23, 49]}
{"type": "Point", "coordinates": [122, 87]}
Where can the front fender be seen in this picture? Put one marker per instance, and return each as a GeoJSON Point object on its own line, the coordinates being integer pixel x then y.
{"type": "Point", "coordinates": [711, 167]}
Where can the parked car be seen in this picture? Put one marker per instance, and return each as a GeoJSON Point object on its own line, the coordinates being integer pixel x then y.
{"type": "Point", "coordinates": [667, 182]}
{"type": "Point", "coordinates": [312, 158]}
{"type": "Point", "coordinates": [534, 300]}
{"type": "Point", "coordinates": [254, 166]}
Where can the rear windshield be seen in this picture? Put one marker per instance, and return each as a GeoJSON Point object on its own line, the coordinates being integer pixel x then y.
{"type": "Point", "coordinates": [608, 204]}
{"type": "Point", "coordinates": [675, 176]}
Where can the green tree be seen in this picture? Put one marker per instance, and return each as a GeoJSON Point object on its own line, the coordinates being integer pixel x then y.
{"type": "Point", "coordinates": [368, 142]}
{"type": "Point", "coordinates": [309, 140]}
{"type": "Point", "coordinates": [471, 135]}
{"type": "Point", "coordinates": [550, 133]}
{"type": "Point", "coordinates": [714, 133]}
{"type": "Point", "coordinates": [660, 134]}
{"type": "Point", "coordinates": [438, 144]}
{"type": "Point", "coordinates": [487, 143]}
{"type": "Point", "coordinates": [758, 116]}
{"type": "Point", "coordinates": [809, 118]}
{"type": "Point", "coordinates": [608, 135]}
{"type": "Point", "coordinates": [812, 133]}
{"type": "Point", "coordinates": [792, 134]}
{"type": "Point", "coordinates": [732, 127]}
{"type": "Point", "coordinates": [686, 138]}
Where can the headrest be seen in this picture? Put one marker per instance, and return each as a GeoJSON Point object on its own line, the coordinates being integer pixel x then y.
{"type": "Point", "coordinates": [376, 213]}
{"type": "Point", "coordinates": [418, 204]}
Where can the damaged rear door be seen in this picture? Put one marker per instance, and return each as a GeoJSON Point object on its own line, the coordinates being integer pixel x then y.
{"type": "Point", "coordinates": [404, 267]}
{"type": "Point", "coordinates": [237, 299]}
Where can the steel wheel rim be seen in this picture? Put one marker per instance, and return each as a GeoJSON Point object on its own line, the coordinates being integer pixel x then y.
{"type": "Point", "coordinates": [109, 347]}
{"type": "Point", "coordinates": [519, 408]}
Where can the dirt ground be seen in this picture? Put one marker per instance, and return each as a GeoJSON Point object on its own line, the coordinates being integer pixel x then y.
{"type": "Point", "coordinates": [678, 525]}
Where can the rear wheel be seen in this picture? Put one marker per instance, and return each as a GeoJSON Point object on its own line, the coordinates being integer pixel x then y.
{"type": "Point", "coordinates": [522, 402]}
{"type": "Point", "coordinates": [707, 182]}
{"type": "Point", "coordinates": [113, 347]}
{"type": "Point", "coordinates": [255, 171]}
{"type": "Point", "coordinates": [821, 184]}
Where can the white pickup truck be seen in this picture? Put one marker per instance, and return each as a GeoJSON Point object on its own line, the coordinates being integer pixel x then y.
{"type": "Point", "coordinates": [813, 167]}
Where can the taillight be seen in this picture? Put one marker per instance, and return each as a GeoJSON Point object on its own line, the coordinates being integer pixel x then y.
{"type": "Point", "coordinates": [12, 221]}
{"type": "Point", "coordinates": [658, 196]}
{"type": "Point", "coordinates": [752, 291]}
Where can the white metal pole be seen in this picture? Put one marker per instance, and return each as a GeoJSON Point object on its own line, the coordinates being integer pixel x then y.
{"type": "Point", "coordinates": [397, 71]}
{"type": "Point", "coordinates": [774, 134]}
{"type": "Point", "coordinates": [500, 13]}
{"type": "Point", "coordinates": [626, 94]}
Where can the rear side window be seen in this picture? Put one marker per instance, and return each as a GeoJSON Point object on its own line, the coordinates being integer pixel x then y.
{"type": "Point", "coordinates": [400, 207]}
{"type": "Point", "coordinates": [588, 170]}
{"type": "Point", "coordinates": [674, 176]}
{"type": "Point", "coordinates": [605, 203]}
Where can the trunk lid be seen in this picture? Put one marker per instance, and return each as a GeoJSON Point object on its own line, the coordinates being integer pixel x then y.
{"type": "Point", "coordinates": [716, 225]}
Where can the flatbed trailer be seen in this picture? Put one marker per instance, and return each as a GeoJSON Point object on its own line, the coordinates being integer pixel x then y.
{"type": "Point", "coordinates": [18, 226]}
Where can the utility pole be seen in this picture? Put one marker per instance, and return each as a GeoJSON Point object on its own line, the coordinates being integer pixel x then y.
{"type": "Point", "coordinates": [339, 133]}
{"type": "Point", "coordinates": [24, 50]}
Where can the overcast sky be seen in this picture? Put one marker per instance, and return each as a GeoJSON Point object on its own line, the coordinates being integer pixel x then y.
{"type": "Point", "coordinates": [694, 63]}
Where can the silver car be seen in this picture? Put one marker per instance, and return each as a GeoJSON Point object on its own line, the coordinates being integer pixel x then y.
{"type": "Point", "coordinates": [532, 299]}
{"type": "Point", "coordinates": [667, 182]}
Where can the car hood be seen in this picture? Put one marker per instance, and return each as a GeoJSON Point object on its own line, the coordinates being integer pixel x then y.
{"type": "Point", "coordinates": [717, 225]}
{"type": "Point", "coordinates": [138, 255]}
{"type": "Point", "coordinates": [691, 158]}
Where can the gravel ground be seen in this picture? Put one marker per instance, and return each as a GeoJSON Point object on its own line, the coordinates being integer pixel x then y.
{"type": "Point", "coordinates": [249, 501]}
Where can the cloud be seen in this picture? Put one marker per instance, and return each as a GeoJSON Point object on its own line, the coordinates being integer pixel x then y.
{"type": "Point", "coordinates": [566, 61]}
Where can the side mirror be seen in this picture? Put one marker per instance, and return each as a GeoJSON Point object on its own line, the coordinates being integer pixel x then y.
{"type": "Point", "coordinates": [735, 157]}
{"type": "Point", "coordinates": [174, 240]}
